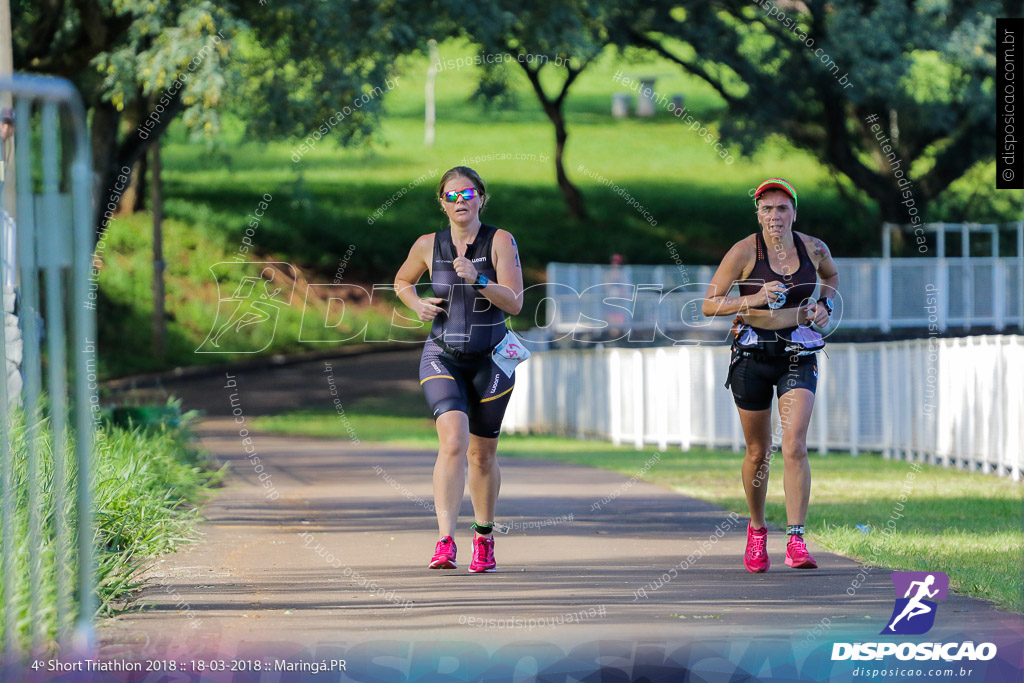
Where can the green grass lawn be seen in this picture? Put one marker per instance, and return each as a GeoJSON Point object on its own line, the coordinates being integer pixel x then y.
{"type": "Point", "coordinates": [326, 198]}
{"type": "Point", "coordinates": [967, 525]}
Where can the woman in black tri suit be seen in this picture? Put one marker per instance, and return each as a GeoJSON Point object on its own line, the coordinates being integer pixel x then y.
{"type": "Point", "coordinates": [476, 279]}
{"type": "Point", "coordinates": [774, 350]}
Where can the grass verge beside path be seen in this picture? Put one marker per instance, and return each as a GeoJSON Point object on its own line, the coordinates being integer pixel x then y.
{"type": "Point", "coordinates": [147, 484]}
{"type": "Point", "coordinates": [966, 525]}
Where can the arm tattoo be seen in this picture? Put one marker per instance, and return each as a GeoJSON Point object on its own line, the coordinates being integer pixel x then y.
{"type": "Point", "coordinates": [819, 248]}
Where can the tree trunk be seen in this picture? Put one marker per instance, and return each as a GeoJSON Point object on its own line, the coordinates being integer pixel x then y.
{"type": "Point", "coordinates": [573, 198]}
{"type": "Point", "coordinates": [553, 110]}
{"type": "Point", "coordinates": [105, 120]}
{"type": "Point", "coordinates": [111, 155]}
{"type": "Point", "coordinates": [159, 322]}
{"type": "Point", "coordinates": [134, 198]}
{"type": "Point", "coordinates": [892, 209]}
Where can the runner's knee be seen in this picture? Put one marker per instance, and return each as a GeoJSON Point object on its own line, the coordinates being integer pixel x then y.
{"type": "Point", "coordinates": [794, 448]}
{"type": "Point", "coordinates": [483, 458]}
{"type": "Point", "coordinates": [453, 445]}
{"type": "Point", "coordinates": [758, 451]}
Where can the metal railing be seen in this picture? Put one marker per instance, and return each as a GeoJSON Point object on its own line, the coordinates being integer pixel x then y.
{"type": "Point", "coordinates": [52, 456]}
{"type": "Point", "coordinates": [952, 402]}
{"type": "Point", "coordinates": [880, 294]}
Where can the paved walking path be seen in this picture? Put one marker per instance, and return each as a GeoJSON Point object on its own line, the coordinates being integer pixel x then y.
{"type": "Point", "coordinates": [286, 573]}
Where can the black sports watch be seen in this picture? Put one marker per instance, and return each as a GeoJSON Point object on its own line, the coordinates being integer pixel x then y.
{"type": "Point", "coordinates": [481, 281]}
{"type": "Point", "coordinates": [827, 303]}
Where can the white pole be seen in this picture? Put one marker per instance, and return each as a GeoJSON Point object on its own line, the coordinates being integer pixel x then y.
{"type": "Point", "coordinates": [615, 394]}
{"type": "Point", "coordinates": [737, 430]}
{"type": "Point", "coordinates": [884, 289]}
{"type": "Point", "coordinates": [709, 396]}
{"type": "Point", "coordinates": [852, 396]}
{"type": "Point", "coordinates": [660, 388]}
{"type": "Point", "coordinates": [430, 117]}
{"type": "Point", "coordinates": [821, 407]}
{"type": "Point", "coordinates": [685, 389]}
{"type": "Point", "coordinates": [1020, 273]}
{"type": "Point", "coordinates": [638, 399]}
{"type": "Point", "coordinates": [966, 275]}
{"type": "Point", "coordinates": [886, 403]}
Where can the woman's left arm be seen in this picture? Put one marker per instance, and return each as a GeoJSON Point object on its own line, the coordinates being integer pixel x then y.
{"type": "Point", "coordinates": [829, 276]}
{"type": "Point", "coordinates": [507, 292]}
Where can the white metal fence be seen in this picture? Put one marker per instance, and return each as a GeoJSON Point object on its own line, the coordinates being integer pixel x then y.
{"type": "Point", "coordinates": [952, 402]}
{"type": "Point", "coordinates": [874, 293]}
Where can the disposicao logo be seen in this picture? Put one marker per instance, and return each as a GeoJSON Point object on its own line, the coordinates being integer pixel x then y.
{"type": "Point", "coordinates": [914, 614]}
{"type": "Point", "coordinates": [916, 593]}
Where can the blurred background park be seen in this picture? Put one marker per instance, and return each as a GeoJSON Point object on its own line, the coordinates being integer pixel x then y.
{"type": "Point", "coordinates": [788, 88]}
{"type": "Point", "coordinates": [312, 134]}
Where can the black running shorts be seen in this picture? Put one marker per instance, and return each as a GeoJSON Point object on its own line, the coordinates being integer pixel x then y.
{"type": "Point", "coordinates": [753, 378]}
{"type": "Point", "coordinates": [476, 387]}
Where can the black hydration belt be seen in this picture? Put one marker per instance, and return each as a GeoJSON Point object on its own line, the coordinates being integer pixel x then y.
{"type": "Point", "coordinates": [460, 355]}
{"type": "Point", "coordinates": [761, 355]}
{"type": "Point", "coordinates": [758, 354]}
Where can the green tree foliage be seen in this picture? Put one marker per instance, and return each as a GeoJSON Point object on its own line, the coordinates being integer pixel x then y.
{"type": "Point", "coordinates": [563, 36]}
{"type": "Point", "coordinates": [286, 65]}
{"type": "Point", "coordinates": [814, 72]}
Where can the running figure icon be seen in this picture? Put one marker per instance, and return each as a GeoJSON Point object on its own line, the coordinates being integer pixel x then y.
{"type": "Point", "coordinates": [249, 309]}
{"type": "Point", "coordinates": [915, 606]}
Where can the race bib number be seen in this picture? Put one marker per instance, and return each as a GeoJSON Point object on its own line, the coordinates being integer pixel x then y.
{"type": "Point", "coordinates": [509, 353]}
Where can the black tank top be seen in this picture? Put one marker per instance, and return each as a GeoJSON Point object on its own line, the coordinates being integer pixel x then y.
{"type": "Point", "coordinates": [470, 323]}
{"type": "Point", "coordinates": [800, 284]}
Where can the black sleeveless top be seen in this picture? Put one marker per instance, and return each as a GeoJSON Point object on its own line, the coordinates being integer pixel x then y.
{"type": "Point", "coordinates": [800, 283]}
{"type": "Point", "coordinates": [470, 323]}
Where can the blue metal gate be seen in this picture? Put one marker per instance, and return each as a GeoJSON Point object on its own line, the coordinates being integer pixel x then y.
{"type": "Point", "coordinates": [46, 536]}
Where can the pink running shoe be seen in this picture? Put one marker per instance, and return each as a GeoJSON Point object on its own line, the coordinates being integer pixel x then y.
{"type": "Point", "coordinates": [444, 555]}
{"type": "Point", "coordinates": [797, 556]}
{"type": "Point", "coordinates": [755, 559]}
{"type": "Point", "coordinates": [483, 555]}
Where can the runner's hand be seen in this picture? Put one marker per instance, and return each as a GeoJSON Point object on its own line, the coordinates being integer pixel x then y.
{"type": "Point", "coordinates": [465, 269]}
{"type": "Point", "coordinates": [428, 310]}
{"type": "Point", "coordinates": [806, 314]}
{"type": "Point", "coordinates": [770, 292]}
{"type": "Point", "coordinates": [819, 315]}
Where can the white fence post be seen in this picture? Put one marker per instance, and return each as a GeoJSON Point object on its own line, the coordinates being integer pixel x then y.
{"type": "Point", "coordinates": [887, 402]}
{"type": "Point", "coordinates": [737, 430]}
{"type": "Point", "coordinates": [1013, 405]}
{"type": "Point", "coordinates": [709, 396]}
{"type": "Point", "coordinates": [1000, 287]}
{"type": "Point", "coordinates": [685, 389]}
{"type": "Point", "coordinates": [852, 395]}
{"type": "Point", "coordinates": [822, 403]}
{"type": "Point", "coordinates": [1020, 273]}
{"type": "Point", "coordinates": [942, 275]}
{"type": "Point", "coordinates": [662, 370]}
{"type": "Point", "coordinates": [966, 275]}
{"type": "Point", "coordinates": [615, 394]}
{"type": "Point", "coordinates": [638, 399]}
{"type": "Point", "coordinates": [884, 288]}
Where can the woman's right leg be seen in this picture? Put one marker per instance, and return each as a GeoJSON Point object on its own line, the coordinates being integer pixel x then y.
{"type": "Point", "coordinates": [450, 469]}
{"type": "Point", "coordinates": [757, 431]}
{"type": "Point", "coordinates": [753, 392]}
